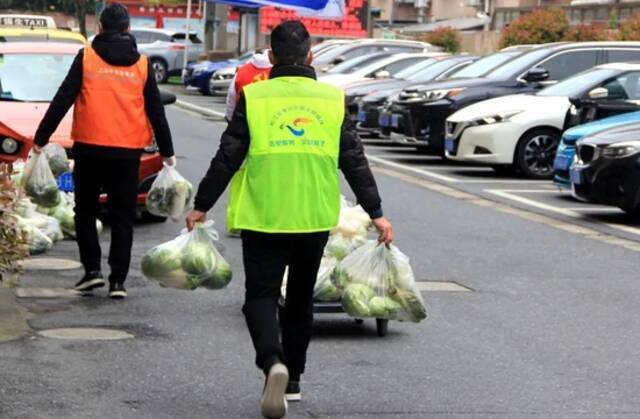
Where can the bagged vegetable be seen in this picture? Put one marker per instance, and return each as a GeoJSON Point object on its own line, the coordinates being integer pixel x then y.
{"type": "Point", "coordinates": [18, 169]}
{"type": "Point", "coordinates": [353, 222]}
{"type": "Point", "coordinates": [170, 194]}
{"type": "Point", "coordinates": [48, 225]}
{"type": "Point", "coordinates": [57, 157]}
{"type": "Point", "coordinates": [325, 289]}
{"type": "Point", "coordinates": [39, 183]}
{"type": "Point", "coordinates": [378, 282]}
{"type": "Point", "coordinates": [339, 246]}
{"type": "Point", "coordinates": [37, 241]}
{"type": "Point", "coordinates": [189, 261]}
{"type": "Point", "coordinates": [65, 214]}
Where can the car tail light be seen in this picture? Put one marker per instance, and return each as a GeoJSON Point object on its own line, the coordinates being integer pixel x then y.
{"type": "Point", "coordinates": [9, 145]}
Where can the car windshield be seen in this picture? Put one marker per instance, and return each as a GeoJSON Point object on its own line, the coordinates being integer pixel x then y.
{"type": "Point", "coordinates": [356, 64]}
{"type": "Point", "coordinates": [414, 69]}
{"type": "Point", "coordinates": [576, 86]}
{"type": "Point", "coordinates": [433, 71]}
{"type": "Point", "coordinates": [484, 65]}
{"type": "Point", "coordinates": [32, 77]}
{"type": "Point", "coordinates": [519, 64]}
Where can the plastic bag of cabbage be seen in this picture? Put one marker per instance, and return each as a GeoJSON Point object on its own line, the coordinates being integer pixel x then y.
{"type": "Point", "coordinates": [57, 157]}
{"type": "Point", "coordinates": [170, 194]}
{"type": "Point", "coordinates": [38, 181]}
{"type": "Point", "coordinates": [65, 214]}
{"type": "Point", "coordinates": [189, 261]}
{"type": "Point", "coordinates": [378, 282]}
{"type": "Point", "coordinates": [36, 240]}
{"type": "Point", "coordinates": [325, 289]}
{"type": "Point", "coordinates": [351, 231]}
{"type": "Point", "coordinates": [48, 225]}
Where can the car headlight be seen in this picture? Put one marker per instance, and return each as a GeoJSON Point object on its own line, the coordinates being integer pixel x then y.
{"type": "Point", "coordinates": [9, 145]}
{"type": "Point", "coordinates": [496, 118]}
{"type": "Point", "coordinates": [616, 151]}
{"type": "Point", "coordinates": [433, 95]}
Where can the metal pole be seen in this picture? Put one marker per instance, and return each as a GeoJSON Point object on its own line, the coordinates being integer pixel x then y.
{"type": "Point", "coordinates": [186, 41]}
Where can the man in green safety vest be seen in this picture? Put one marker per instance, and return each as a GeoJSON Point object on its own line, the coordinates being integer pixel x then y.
{"type": "Point", "coordinates": [288, 137]}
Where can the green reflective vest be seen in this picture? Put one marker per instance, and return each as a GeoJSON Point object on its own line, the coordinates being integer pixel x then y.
{"type": "Point", "coordinates": [289, 181]}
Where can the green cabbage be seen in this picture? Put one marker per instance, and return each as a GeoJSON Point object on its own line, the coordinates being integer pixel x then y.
{"type": "Point", "coordinates": [411, 304]}
{"type": "Point", "coordinates": [384, 308]}
{"type": "Point", "coordinates": [198, 258]}
{"type": "Point", "coordinates": [46, 195]}
{"type": "Point", "coordinates": [58, 165]}
{"type": "Point", "coordinates": [355, 300]}
{"type": "Point", "coordinates": [160, 261]}
{"type": "Point", "coordinates": [220, 277]}
{"type": "Point", "coordinates": [326, 291]}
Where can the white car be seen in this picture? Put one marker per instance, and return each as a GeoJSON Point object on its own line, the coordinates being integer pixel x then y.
{"type": "Point", "coordinates": [523, 131]}
{"type": "Point", "coordinates": [383, 68]}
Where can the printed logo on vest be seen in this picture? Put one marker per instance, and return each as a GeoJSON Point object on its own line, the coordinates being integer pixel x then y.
{"type": "Point", "coordinates": [298, 126]}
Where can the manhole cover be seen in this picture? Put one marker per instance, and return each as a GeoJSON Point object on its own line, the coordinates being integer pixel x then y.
{"type": "Point", "coordinates": [46, 293]}
{"type": "Point", "coordinates": [50, 264]}
{"type": "Point", "coordinates": [434, 286]}
{"type": "Point", "coordinates": [82, 333]}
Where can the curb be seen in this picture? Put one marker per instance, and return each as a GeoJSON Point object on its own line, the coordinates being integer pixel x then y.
{"type": "Point", "coordinates": [13, 317]}
{"type": "Point", "coordinates": [199, 109]}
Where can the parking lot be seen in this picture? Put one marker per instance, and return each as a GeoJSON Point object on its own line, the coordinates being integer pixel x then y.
{"type": "Point", "coordinates": [539, 197]}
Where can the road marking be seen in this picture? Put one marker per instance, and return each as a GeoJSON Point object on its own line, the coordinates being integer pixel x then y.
{"type": "Point", "coordinates": [198, 109]}
{"type": "Point", "coordinates": [507, 209]}
{"type": "Point", "coordinates": [85, 333]}
{"type": "Point", "coordinates": [411, 169]}
{"type": "Point", "coordinates": [441, 286]}
{"type": "Point", "coordinates": [30, 292]}
{"type": "Point", "coordinates": [49, 263]}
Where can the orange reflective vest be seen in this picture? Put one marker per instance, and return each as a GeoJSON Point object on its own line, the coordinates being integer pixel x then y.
{"type": "Point", "coordinates": [248, 74]}
{"type": "Point", "coordinates": [110, 111]}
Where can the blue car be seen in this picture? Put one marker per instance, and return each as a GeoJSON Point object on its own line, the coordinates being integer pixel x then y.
{"type": "Point", "coordinates": [201, 73]}
{"type": "Point", "coordinates": [567, 148]}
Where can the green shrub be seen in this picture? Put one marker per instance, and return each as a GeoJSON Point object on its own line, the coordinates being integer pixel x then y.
{"type": "Point", "coordinates": [630, 29]}
{"type": "Point", "coordinates": [538, 27]}
{"type": "Point", "coordinates": [12, 242]}
{"type": "Point", "coordinates": [586, 32]}
{"type": "Point", "coordinates": [447, 38]}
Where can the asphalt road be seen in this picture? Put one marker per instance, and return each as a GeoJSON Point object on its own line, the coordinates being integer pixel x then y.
{"type": "Point", "coordinates": [547, 329]}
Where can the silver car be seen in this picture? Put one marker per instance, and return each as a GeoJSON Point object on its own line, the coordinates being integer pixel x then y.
{"type": "Point", "coordinates": [165, 49]}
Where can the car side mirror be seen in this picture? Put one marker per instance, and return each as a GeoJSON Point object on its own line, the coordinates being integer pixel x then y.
{"type": "Point", "coordinates": [599, 93]}
{"type": "Point", "coordinates": [339, 60]}
{"type": "Point", "coordinates": [382, 74]}
{"type": "Point", "coordinates": [536, 74]}
{"type": "Point", "coordinates": [167, 98]}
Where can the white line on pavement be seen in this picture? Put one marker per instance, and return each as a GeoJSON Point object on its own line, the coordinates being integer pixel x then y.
{"type": "Point", "coordinates": [199, 109]}
{"type": "Point", "coordinates": [411, 169]}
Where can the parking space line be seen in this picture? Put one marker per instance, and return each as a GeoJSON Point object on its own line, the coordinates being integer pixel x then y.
{"type": "Point", "coordinates": [411, 169]}
{"type": "Point", "coordinates": [505, 181]}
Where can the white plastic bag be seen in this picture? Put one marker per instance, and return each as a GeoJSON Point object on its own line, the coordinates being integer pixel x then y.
{"type": "Point", "coordinates": [353, 222]}
{"type": "Point", "coordinates": [189, 261]}
{"type": "Point", "coordinates": [170, 194]}
{"type": "Point", "coordinates": [57, 157]}
{"type": "Point", "coordinates": [378, 282]}
{"type": "Point", "coordinates": [38, 181]}
{"type": "Point", "coordinates": [45, 223]}
{"type": "Point", "coordinates": [325, 289]}
{"type": "Point", "coordinates": [37, 241]}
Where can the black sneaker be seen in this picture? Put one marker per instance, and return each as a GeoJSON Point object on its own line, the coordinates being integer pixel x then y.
{"type": "Point", "coordinates": [293, 391]}
{"type": "Point", "coordinates": [90, 281]}
{"type": "Point", "coordinates": [116, 290]}
{"type": "Point", "coordinates": [274, 402]}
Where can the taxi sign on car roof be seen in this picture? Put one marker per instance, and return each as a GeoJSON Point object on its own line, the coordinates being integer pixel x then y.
{"type": "Point", "coordinates": [27, 21]}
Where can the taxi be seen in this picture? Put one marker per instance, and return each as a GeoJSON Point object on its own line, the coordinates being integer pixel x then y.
{"type": "Point", "coordinates": [27, 34]}
{"type": "Point", "coordinates": [30, 74]}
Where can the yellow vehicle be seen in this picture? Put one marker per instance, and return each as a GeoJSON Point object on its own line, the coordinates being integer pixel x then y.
{"type": "Point", "coordinates": [23, 34]}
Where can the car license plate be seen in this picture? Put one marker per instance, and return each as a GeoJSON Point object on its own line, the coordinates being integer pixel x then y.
{"type": "Point", "coordinates": [384, 120]}
{"type": "Point", "coordinates": [65, 182]}
{"type": "Point", "coordinates": [395, 120]}
{"type": "Point", "coordinates": [362, 116]}
{"type": "Point", "coordinates": [561, 163]}
{"type": "Point", "coordinates": [450, 144]}
{"type": "Point", "coordinates": [576, 175]}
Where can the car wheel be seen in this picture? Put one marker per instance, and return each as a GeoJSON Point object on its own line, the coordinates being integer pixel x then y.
{"type": "Point", "coordinates": [160, 70]}
{"type": "Point", "coordinates": [535, 153]}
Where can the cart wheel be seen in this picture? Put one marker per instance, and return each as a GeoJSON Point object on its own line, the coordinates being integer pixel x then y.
{"type": "Point", "coordinates": [382, 325]}
{"type": "Point", "coordinates": [359, 321]}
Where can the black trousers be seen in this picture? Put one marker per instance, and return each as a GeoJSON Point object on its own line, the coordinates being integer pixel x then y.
{"type": "Point", "coordinates": [265, 258]}
{"type": "Point", "coordinates": [118, 178]}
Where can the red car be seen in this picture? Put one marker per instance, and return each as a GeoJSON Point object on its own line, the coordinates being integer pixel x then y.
{"type": "Point", "coordinates": [30, 74]}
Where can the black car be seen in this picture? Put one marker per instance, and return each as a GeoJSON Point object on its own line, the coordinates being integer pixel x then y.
{"type": "Point", "coordinates": [435, 68]}
{"type": "Point", "coordinates": [607, 168]}
{"type": "Point", "coordinates": [418, 115]}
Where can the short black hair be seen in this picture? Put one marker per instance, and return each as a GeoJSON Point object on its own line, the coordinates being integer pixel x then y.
{"type": "Point", "coordinates": [114, 18]}
{"type": "Point", "coordinates": [290, 42]}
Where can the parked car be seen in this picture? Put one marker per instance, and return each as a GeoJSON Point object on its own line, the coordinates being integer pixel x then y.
{"type": "Point", "coordinates": [27, 21]}
{"type": "Point", "coordinates": [523, 131]}
{"type": "Point", "coordinates": [420, 112]}
{"type": "Point", "coordinates": [324, 46]}
{"type": "Point", "coordinates": [380, 69]}
{"type": "Point", "coordinates": [364, 100]}
{"type": "Point", "coordinates": [203, 74]}
{"type": "Point", "coordinates": [165, 49]}
{"type": "Point", "coordinates": [607, 168]}
{"type": "Point", "coordinates": [324, 62]}
{"type": "Point", "coordinates": [31, 74]}
{"type": "Point", "coordinates": [355, 64]}
{"type": "Point", "coordinates": [566, 153]}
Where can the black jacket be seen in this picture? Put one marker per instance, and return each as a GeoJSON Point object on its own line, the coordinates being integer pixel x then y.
{"type": "Point", "coordinates": [117, 49]}
{"type": "Point", "coordinates": [234, 146]}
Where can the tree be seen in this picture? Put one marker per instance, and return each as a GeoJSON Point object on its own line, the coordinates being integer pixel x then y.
{"type": "Point", "coordinates": [447, 38]}
{"type": "Point", "coordinates": [538, 27]}
{"type": "Point", "coordinates": [630, 29]}
{"type": "Point", "coordinates": [587, 32]}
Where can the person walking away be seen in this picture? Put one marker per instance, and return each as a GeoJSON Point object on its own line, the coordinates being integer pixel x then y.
{"type": "Point", "coordinates": [285, 199]}
{"type": "Point", "coordinates": [117, 110]}
{"type": "Point", "coordinates": [256, 69]}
